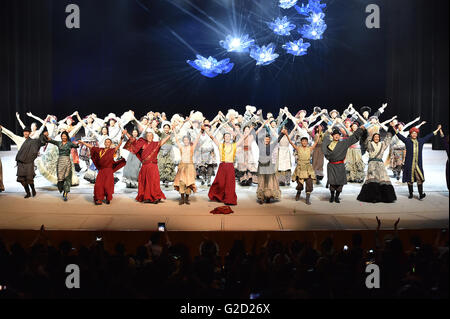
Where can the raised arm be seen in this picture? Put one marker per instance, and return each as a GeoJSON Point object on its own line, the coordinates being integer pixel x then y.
{"type": "Point", "coordinates": [212, 137]}
{"type": "Point", "coordinates": [75, 129]}
{"type": "Point", "coordinates": [289, 139]}
{"type": "Point", "coordinates": [245, 136]}
{"type": "Point", "coordinates": [421, 124]}
{"type": "Point", "coordinates": [16, 138]}
{"type": "Point", "coordinates": [120, 143]}
{"type": "Point", "coordinates": [35, 117]}
{"type": "Point", "coordinates": [164, 141]}
{"type": "Point", "coordinates": [177, 141]}
{"type": "Point", "coordinates": [194, 145]}
{"type": "Point", "coordinates": [20, 121]}
{"type": "Point", "coordinates": [411, 123]}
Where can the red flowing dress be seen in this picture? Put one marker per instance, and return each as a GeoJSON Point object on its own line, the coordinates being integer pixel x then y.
{"type": "Point", "coordinates": [149, 182]}
{"type": "Point", "coordinates": [103, 159]}
{"type": "Point", "coordinates": [223, 188]}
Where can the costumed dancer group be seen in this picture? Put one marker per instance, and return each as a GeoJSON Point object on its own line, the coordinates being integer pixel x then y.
{"type": "Point", "coordinates": [233, 148]}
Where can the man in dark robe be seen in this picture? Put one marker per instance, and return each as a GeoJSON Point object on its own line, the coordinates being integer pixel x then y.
{"type": "Point", "coordinates": [335, 152]}
{"type": "Point", "coordinates": [25, 161]}
{"type": "Point", "coordinates": [413, 168]}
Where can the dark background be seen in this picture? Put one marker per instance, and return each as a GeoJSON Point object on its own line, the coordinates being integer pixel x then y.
{"type": "Point", "coordinates": [132, 54]}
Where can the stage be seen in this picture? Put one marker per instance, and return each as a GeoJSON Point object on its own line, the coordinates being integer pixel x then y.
{"type": "Point", "coordinates": [125, 214]}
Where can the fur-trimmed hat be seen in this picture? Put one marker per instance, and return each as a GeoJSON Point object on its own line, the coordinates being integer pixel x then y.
{"type": "Point", "coordinates": [250, 108]}
{"type": "Point", "coordinates": [335, 111]}
{"type": "Point", "coordinates": [317, 109]}
{"type": "Point", "coordinates": [414, 129]}
{"type": "Point", "coordinates": [111, 116]}
{"type": "Point", "coordinates": [336, 131]}
{"type": "Point", "coordinates": [366, 109]}
{"type": "Point", "coordinates": [26, 129]}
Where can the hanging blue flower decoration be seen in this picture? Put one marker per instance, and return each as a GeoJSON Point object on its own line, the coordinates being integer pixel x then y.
{"type": "Point", "coordinates": [210, 67]}
{"type": "Point", "coordinates": [281, 26]}
{"type": "Point", "coordinates": [313, 31]}
{"type": "Point", "coordinates": [264, 55]}
{"type": "Point", "coordinates": [286, 4]}
{"type": "Point", "coordinates": [297, 48]}
{"type": "Point", "coordinates": [237, 44]}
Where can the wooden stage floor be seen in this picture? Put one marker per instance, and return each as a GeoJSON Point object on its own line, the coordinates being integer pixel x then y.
{"type": "Point", "coordinates": [124, 214]}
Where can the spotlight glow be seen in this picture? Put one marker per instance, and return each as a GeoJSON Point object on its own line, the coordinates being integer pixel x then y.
{"type": "Point", "coordinates": [210, 67]}
{"type": "Point", "coordinates": [237, 44]}
{"type": "Point", "coordinates": [264, 55]}
{"type": "Point", "coordinates": [286, 4]}
{"type": "Point", "coordinates": [297, 48]}
{"type": "Point", "coordinates": [281, 26]}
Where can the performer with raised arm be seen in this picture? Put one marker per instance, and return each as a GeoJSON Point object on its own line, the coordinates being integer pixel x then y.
{"type": "Point", "coordinates": [28, 152]}
{"type": "Point", "coordinates": [318, 157]}
{"type": "Point", "coordinates": [184, 181]}
{"type": "Point", "coordinates": [35, 132]}
{"type": "Point", "coordinates": [444, 140]}
{"type": "Point", "coordinates": [103, 159]}
{"type": "Point", "coordinates": [413, 169]}
{"type": "Point", "coordinates": [354, 163]}
{"type": "Point", "coordinates": [378, 187]}
{"type": "Point", "coordinates": [207, 161]}
{"type": "Point", "coordinates": [146, 150]}
{"type": "Point", "coordinates": [268, 185]}
{"type": "Point", "coordinates": [335, 151]}
{"type": "Point", "coordinates": [64, 164]}
{"type": "Point", "coordinates": [397, 151]}
{"type": "Point", "coordinates": [223, 188]}
{"type": "Point", "coordinates": [166, 157]}
{"type": "Point", "coordinates": [133, 166]}
{"type": "Point", "coordinates": [304, 172]}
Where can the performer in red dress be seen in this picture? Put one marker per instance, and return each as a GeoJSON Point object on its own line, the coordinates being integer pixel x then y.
{"type": "Point", "coordinates": [224, 187]}
{"type": "Point", "coordinates": [103, 159]}
{"type": "Point", "coordinates": [146, 150]}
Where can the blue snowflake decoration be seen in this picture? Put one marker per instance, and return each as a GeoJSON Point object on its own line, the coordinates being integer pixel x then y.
{"type": "Point", "coordinates": [237, 44]}
{"type": "Point", "coordinates": [313, 31]}
{"type": "Point", "coordinates": [297, 48]}
{"type": "Point", "coordinates": [287, 4]}
{"type": "Point", "coordinates": [316, 18]}
{"type": "Point", "coordinates": [264, 55]}
{"type": "Point", "coordinates": [281, 26]}
{"type": "Point", "coordinates": [210, 67]}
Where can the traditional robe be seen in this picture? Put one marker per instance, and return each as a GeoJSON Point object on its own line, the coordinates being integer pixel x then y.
{"type": "Point", "coordinates": [104, 161]}
{"type": "Point", "coordinates": [223, 188]}
{"type": "Point", "coordinates": [336, 168]}
{"type": "Point", "coordinates": [25, 157]}
{"type": "Point", "coordinates": [149, 182]}
{"type": "Point", "coordinates": [268, 185]}
{"type": "Point", "coordinates": [413, 159]}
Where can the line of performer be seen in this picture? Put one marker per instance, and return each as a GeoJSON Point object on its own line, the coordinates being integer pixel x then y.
{"type": "Point", "coordinates": [233, 148]}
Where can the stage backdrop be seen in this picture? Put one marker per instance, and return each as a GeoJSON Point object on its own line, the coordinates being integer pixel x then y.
{"type": "Point", "coordinates": [131, 54]}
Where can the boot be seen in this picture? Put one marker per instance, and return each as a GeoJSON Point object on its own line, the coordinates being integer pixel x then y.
{"type": "Point", "coordinates": [60, 186]}
{"type": "Point", "coordinates": [422, 195]}
{"type": "Point", "coordinates": [186, 200]}
{"type": "Point", "coordinates": [308, 201]}
{"type": "Point", "coordinates": [297, 197]}
{"type": "Point", "coordinates": [181, 202]}
{"type": "Point", "coordinates": [411, 190]}
{"type": "Point", "coordinates": [65, 196]}
{"type": "Point", "coordinates": [332, 196]}
{"type": "Point", "coordinates": [27, 190]}
{"type": "Point", "coordinates": [33, 191]}
{"type": "Point", "coordinates": [336, 199]}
